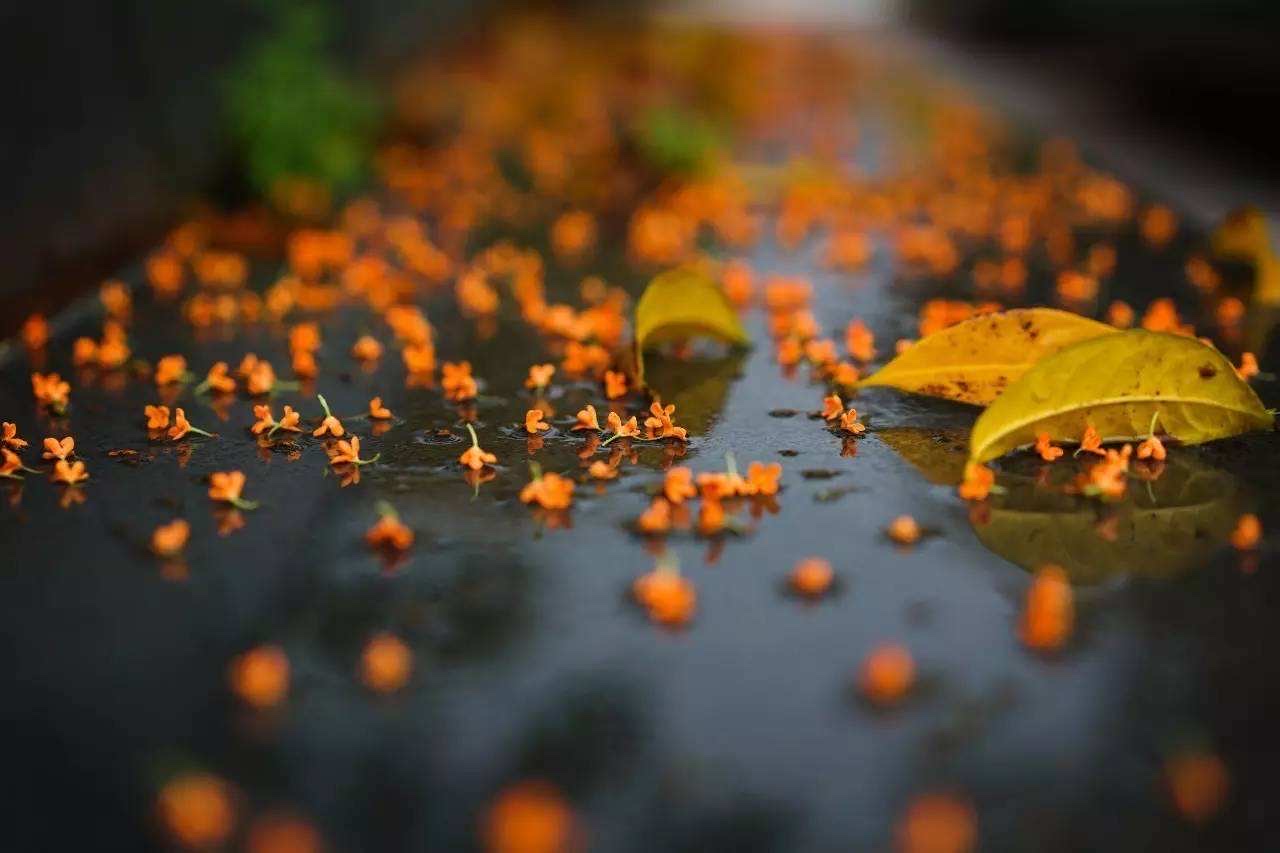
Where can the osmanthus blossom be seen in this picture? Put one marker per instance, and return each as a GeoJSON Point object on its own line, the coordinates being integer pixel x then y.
{"type": "Point", "coordinates": [379, 412]}
{"type": "Point", "coordinates": [887, 675]}
{"type": "Point", "coordinates": [539, 377]}
{"type": "Point", "coordinates": [58, 449]}
{"type": "Point", "coordinates": [347, 452]}
{"type": "Point", "coordinates": [171, 369]}
{"type": "Point", "coordinates": [1048, 452]}
{"type": "Point", "coordinates": [601, 470]}
{"type": "Point", "coordinates": [181, 427]}
{"type": "Point", "coordinates": [69, 473]}
{"type": "Point", "coordinates": [587, 419]}
{"type": "Point", "coordinates": [979, 481]}
{"type": "Point", "coordinates": [668, 597]}
{"type": "Point", "coordinates": [832, 407]}
{"type": "Point", "coordinates": [475, 458]}
{"type": "Point", "coordinates": [811, 577]}
{"type": "Point", "coordinates": [168, 540]}
{"type": "Point", "coordinates": [1048, 613]}
{"type": "Point", "coordinates": [51, 391]}
{"type": "Point", "coordinates": [1108, 478]}
{"type": "Point", "coordinates": [660, 423]}
{"type": "Point", "coordinates": [620, 429]}
{"type": "Point", "coordinates": [386, 663]}
{"type": "Point", "coordinates": [615, 384]}
{"type": "Point", "coordinates": [389, 533]}
{"type": "Point", "coordinates": [1152, 447]}
{"type": "Point", "coordinates": [1090, 442]}
{"type": "Point", "coordinates": [330, 425]}
{"type": "Point", "coordinates": [656, 518]}
{"type": "Point", "coordinates": [533, 422]}
{"type": "Point", "coordinates": [904, 530]}
{"type": "Point", "coordinates": [218, 379]}
{"type": "Point", "coordinates": [850, 424]}
{"type": "Point", "coordinates": [157, 417]}
{"type": "Point", "coordinates": [548, 490]}
{"type": "Point", "coordinates": [267, 423]}
{"type": "Point", "coordinates": [9, 437]}
{"type": "Point", "coordinates": [227, 486]}
{"type": "Point", "coordinates": [677, 485]}
{"type": "Point", "coordinates": [1247, 533]}
{"type": "Point", "coordinates": [260, 676]}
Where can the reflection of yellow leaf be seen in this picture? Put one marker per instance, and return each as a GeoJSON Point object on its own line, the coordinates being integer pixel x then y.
{"type": "Point", "coordinates": [974, 361]}
{"type": "Point", "coordinates": [1159, 530]}
{"type": "Point", "coordinates": [1116, 383]}
{"type": "Point", "coordinates": [1245, 236]}
{"type": "Point", "coordinates": [939, 454]}
{"type": "Point", "coordinates": [684, 303]}
{"type": "Point", "coordinates": [697, 388]}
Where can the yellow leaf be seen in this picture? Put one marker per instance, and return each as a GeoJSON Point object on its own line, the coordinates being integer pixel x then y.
{"type": "Point", "coordinates": [1117, 383]}
{"type": "Point", "coordinates": [1160, 529]}
{"type": "Point", "coordinates": [974, 361]}
{"type": "Point", "coordinates": [684, 303]}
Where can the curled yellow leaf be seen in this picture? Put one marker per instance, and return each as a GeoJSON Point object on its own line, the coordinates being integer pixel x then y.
{"type": "Point", "coordinates": [974, 361]}
{"type": "Point", "coordinates": [684, 303]}
{"type": "Point", "coordinates": [1117, 384]}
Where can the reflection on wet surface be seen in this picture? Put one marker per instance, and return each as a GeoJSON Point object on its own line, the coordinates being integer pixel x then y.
{"type": "Point", "coordinates": [740, 731]}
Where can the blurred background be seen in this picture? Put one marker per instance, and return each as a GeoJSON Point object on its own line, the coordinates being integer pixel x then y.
{"type": "Point", "coordinates": [123, 114]}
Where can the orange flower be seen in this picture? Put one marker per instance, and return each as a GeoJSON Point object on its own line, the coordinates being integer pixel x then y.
{"type": "Point", "coordinates": [1247, 533]}
{"type": "Point", "coordinates": [262, 379]}
{"type": "Point", "coordinates": [587, 419]}
{"type": "Point", "coordinates": [9, 438]}
{"type": "Point", "coordinates": [170, 369]}
{"type": "Point", "coordinates": [1090, 442]}
{"type": "Point", "coordinates": [762, 479]}
{"type": "Point", "coordinates": [304, 365]}
{"type": "Point", "coordinates": [1198, 783]}
{"type": "Point", "coordinates": [1049, 612]}
{"type": "Point", "coordinates": [35, 332]}
{"type": "Point", "coordinates": [54, 449]}
{"type": "Point", "coordinates": [859, 340]}
{"type": "Point", "coordinates": [304, 337]}
{"type": "Point", "coordinates": [265, 421]}
{"type": "Point", "coordinates": [330, 425]}
{"type": "Point", "coordinates": [168, 540]}
{"type": "Point", "coordinates": [389, 533]}
{"type": "Point", "coordinates": [615, 384]}
{"type": "Point", "coordinates": [601, 470]}
{"type": "Point", "coordinates": [465, 389]}
{"type": "Point", "coordinates": [1046, 450]}
{"type": "Point", "coordinates": [711, 518]}
{"type": "Point", "coordinates": [660, 424]}
{"type": "Point", "coordinates": [71, 473]}
{"type": "Point", "coordinates": [377, 411]}
{"type": "Point", "coordinates": [367, 348]}
{"type": "Point", "coordinates": [812, 577]}
{"type": "Point", "coordinates": [549, 491]}
{"type": "Point", "coordinates": [473, 457]}
{"type": "Point", "coordinates": [347, 452]}
{"type": "Point", "coordinates": [533, 422]}
{"type": "Point", "coordinates": [849, 422]}
{"type": "Point", "coordinates": [678, 485]}
{"type": "Point", "coordinates": [789, 352]}
{"type": "Point", "coordinates": [288, 421]}
{"type": "Point", "coordinates": [1151, 448]}
{"type": "Point", "coordinates": [540, 376]}
{"type": "Point", "coordinates": [1109, 478]}
{"type": "Point", "coordinates": [821, 352]}
{"type": "Point", "coordinates": [157, 417]}
{"type": "Point", "coordinates": [50, 390]}
{"type": "Point", "coordinates": [938, 823]}
{"type": "Point", "coordinates": [419, 358]}
{"type": "Point", "coordinates": [832, 407]}
{"type": "Point", "coordinates": [386, 663]}
{"type": "Point", "coordinates": [260, 676]}
{"type": "Point", "coordinates": [630, 429]}
{"type": "Point", "coordinates": [226, 486]}
{"type": "Point", "coordinates": [845, 375]}
{"type": "Point", "coordinates": [656, 518]}
{"type": "Point", "coordinates": [1248, 366]}
{"type": "Point", "coordinates": [84, 352]}
{"type": "Point", "coordinates": [887, 675]}
{"type": "Point", "coordinates": [218, 379]}
{"type": "Point", "coordinates": [978, 480]}
{"type": "Point", "coordinates": [10, 464]}
{"type": "Point", "coordinates": [196, 810]}
{"type": "Point", "coordinates": [181, 427]}
{"type": "Point", "coordinates": [529, 817]}
{"type": "Point", "coordinates": [455, 377]}
{"type": "Point", "coordinates": [904, 530]}
{"type": "Point", "coordinates": [669, 598]}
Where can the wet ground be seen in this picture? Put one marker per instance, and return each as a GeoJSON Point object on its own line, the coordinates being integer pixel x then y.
{"type": "Point", "coordinates": [741, 731]}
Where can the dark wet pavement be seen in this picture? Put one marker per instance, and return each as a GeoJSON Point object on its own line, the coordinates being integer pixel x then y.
{"type": "Point", "coordinates": [740, 732]}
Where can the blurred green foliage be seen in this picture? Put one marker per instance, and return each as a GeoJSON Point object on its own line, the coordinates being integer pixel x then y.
{"type": "Point", "coordinates": [292, 112]}
{"type": "Point", "coordinates": [676, 141]}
